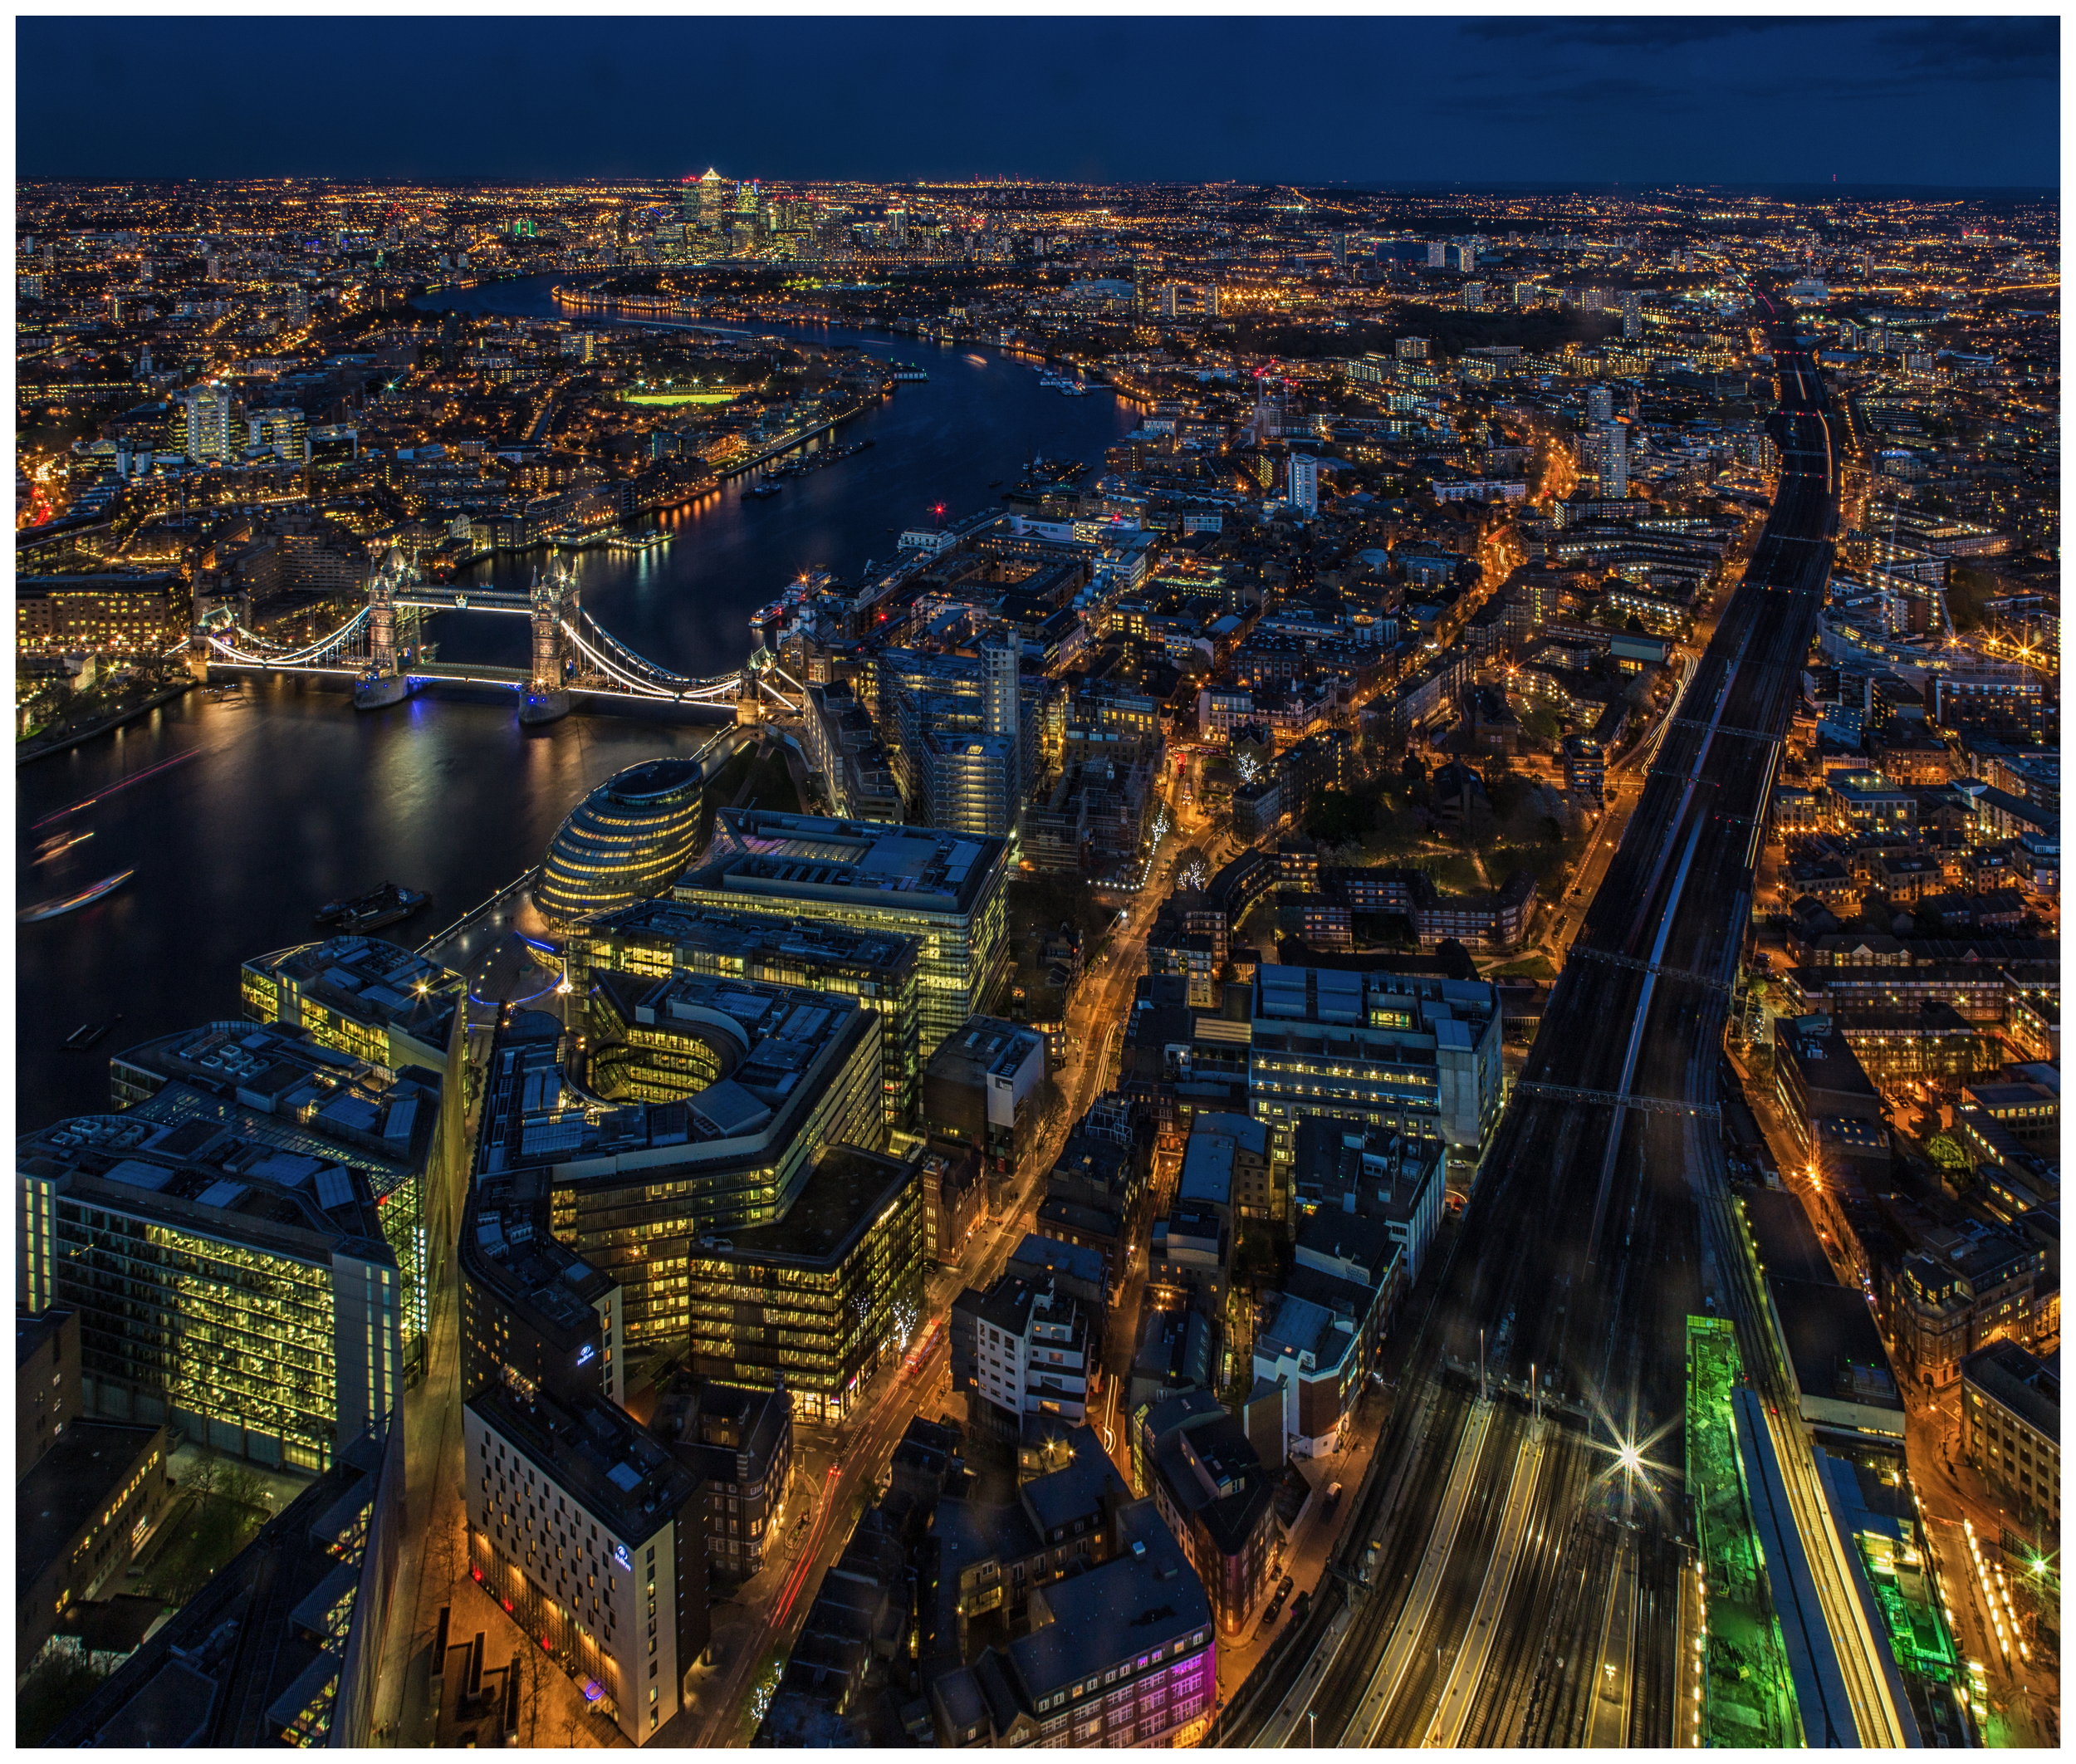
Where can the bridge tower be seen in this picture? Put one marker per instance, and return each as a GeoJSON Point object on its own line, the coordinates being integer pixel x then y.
{"type": "Point", "coordinates": [384, 683]}
{"type": "Point", "coordinates": [555, 608]}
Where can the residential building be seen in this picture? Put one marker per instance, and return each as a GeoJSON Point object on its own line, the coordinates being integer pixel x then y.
{"type": "Point", "coordinates": [1415, 1053]}
{"type": "Point", "coordinates": [2011, 1431]}
{"type": "Point", "coordinates": [92, 1498]}
{"type": "Point", "coordinates": [739, 1443]}
{"type": "Point", "coordinates": [1375, 1174]}
{"type": "Point", "coordinates": [984, 1087]}
{"type": "Point", "coordinates": [1210, 1485]}
{"type": "Point", "coordinates": [47, 1383]}
{"type": "Point", "coordinates": [1032, 1353]}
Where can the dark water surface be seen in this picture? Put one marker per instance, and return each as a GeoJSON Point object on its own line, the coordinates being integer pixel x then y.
{"type": "Point", "coordinates": [291, 798]}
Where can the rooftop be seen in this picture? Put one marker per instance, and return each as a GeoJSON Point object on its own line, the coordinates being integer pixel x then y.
{"type": "Point", "coordinates": [194, 1159]}
{"type": "Point", "coordinates": [599, 1452]}
{"type": "Point", "coordinates": [767, 948]}
{"type": "Point", "coordinates": [760, 852]}
{"type": "Point", "coordinates": [79, 1474]}
{"type": "Point", "coordinates": [1146, 1597]}
{"type": "Point", "coordinates": [846, 1195]}
{"type": "Point", "coordinates": [2029, 1386]}
{"type": "Point", "coordinates": [375, 982]}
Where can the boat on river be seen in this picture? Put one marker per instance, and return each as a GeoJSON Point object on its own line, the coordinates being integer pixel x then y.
{"type": "Point", "coordinates": [370, 911]}
{"type": "Point", "coordinates": [73, 903]}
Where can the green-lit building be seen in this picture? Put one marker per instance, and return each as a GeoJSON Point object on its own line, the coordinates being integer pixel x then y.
{"type": "Point", "coordinates": [404, 1017]}
{"type": "Point", "coordinates": [881, 970]}
{"type": "Point", "coordinates": [945, 889]}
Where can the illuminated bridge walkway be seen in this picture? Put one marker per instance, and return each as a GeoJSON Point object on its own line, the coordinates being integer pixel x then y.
{"type": "Point", "coordinates": [382, 650]}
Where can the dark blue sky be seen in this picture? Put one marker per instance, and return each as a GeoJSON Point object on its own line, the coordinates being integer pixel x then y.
{"type": "Point", "coordinates": [1964, 101]}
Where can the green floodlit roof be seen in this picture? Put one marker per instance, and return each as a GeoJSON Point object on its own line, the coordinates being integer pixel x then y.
{"type": "Point", "coordinates": [1918, 1634]}
{"type": "Point", "coordinates": [1748, 1698]}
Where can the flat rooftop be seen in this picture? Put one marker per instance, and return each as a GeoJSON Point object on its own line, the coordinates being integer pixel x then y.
{"type": "Point", "coordinates": [843, 1196]}
{"type": "Point", "coordinates": [816, 856]}
{"type": "Point", "coordinates": [197, 1160]}
{"type": "Point", "coordinates": [371, 980]}
{"type": "Point", "coordinates": [750, 937]}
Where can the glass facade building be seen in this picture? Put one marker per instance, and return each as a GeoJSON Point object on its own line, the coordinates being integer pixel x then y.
{"type": "Point", "coordinates": [880, 970]}
{"type": "Point", "coordinates": [629, 1185]}
{"type": "Point", "coordinates": [313, 1103]}
{"type": "Point", "coordinates": [625, 841]}
{"type": "Point", "coordinates": [944, 889]}
{"type": "Point", "coordinates": [241, 1292]}
{"type": "Point", "coordinates": [821, 1299]}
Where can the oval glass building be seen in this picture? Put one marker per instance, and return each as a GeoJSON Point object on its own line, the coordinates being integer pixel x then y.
{"type": "Point", "coordinates": [624, 842]}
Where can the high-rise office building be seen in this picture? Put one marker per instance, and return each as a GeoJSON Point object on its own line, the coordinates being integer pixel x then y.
{"type": "Point", "coordinates": [1304, 483]}
{"type": "Point", "coordinates": [209, 425]}
{"type": "Point", "coordinates": [1002, 716]}
{"type": "Point", "coordinates": [229, 1270]}
{"type": "Point", "coordinates": [1614, 458]}
{"type": "Point", "coordinates": [286, 430]}
{"type": "Point", "coordinates": [881, 971]}
{"type": "Point", "coordinates": [715, 198]}
{"type": "Point", "coordinates": [944, 888]}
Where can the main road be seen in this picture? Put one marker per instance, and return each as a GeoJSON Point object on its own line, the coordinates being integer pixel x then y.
{"type": "Point", "coordinates": [1524, 1583]}
{"type": "Point", "coordinates": [866, 1440]}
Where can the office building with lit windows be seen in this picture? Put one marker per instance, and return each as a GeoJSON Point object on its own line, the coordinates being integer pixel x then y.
{"type": "Point", "coordinates": [591, 1536]}
{"type": "Point", "coordinates": [229, 1270]}
{"type": "Point", "coordinates": [278, 1084]}
{"type": "Point", "coordinates": [1412, 1052]}
{"type": "Point", "coordinates": [881, 970]}
{"type": "Point", "coordinates": [624, 841]}
{"type": "Point", "coordinates": [627, 1183]}
{"type": "Point", "coordinates": [822, 1298]}
{"type": "Point", "coordinates": [945, 889]}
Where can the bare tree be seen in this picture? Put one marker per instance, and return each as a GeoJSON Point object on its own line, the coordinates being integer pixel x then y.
{"type": "Point", "coordinates": [533, 1684]}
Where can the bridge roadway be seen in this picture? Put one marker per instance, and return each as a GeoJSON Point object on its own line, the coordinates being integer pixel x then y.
{"type": "Point", "coordinates": [1581, 1251]}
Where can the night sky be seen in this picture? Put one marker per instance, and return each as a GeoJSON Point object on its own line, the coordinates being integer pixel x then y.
{"type": "Point", "coordinates": [1956, 102]}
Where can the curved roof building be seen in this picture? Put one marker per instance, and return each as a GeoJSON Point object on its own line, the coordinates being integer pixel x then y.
{"type": "Point", "coordinates": [624, 842]}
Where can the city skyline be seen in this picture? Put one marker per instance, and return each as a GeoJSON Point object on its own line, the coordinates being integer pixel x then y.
{"type": "Point", "coordinates": [1392, 101]}
{"type": "Point", "coordinates": [1026, 961]}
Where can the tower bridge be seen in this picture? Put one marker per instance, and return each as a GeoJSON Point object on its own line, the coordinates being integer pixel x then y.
{"type": "Point", "coordinates": [382, 650]}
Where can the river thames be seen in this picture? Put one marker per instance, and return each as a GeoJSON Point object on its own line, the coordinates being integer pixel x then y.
{"type": "Point", "coordinates": [288, 798]}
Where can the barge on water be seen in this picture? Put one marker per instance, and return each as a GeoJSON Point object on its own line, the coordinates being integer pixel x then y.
{"type": "Point", "coordinates": [370, 911]}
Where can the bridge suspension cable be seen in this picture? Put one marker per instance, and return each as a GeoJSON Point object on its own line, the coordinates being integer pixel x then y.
{"type": "Point", "coordinates": [268, 655]}
{"type": "Point", "coordinates": [659, 684]}
{"type": "Point", "coordinates": [647, 669]}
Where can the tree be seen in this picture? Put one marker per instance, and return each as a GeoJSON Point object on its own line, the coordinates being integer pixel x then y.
{"type": "Point", "coordinates": [1456, 960]}
{"type": "Point", "coordinates": [1336, 818]}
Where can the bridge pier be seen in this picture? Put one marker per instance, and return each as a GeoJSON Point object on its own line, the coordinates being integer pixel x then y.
{"type": "Point", "coordinates": [554, 600]}
{"type": "Point", "coordinates": [384, 683]}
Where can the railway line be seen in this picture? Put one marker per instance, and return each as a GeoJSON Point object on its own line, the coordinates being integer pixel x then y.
{"type": "Point", "coordinates": [1581, 1252]}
